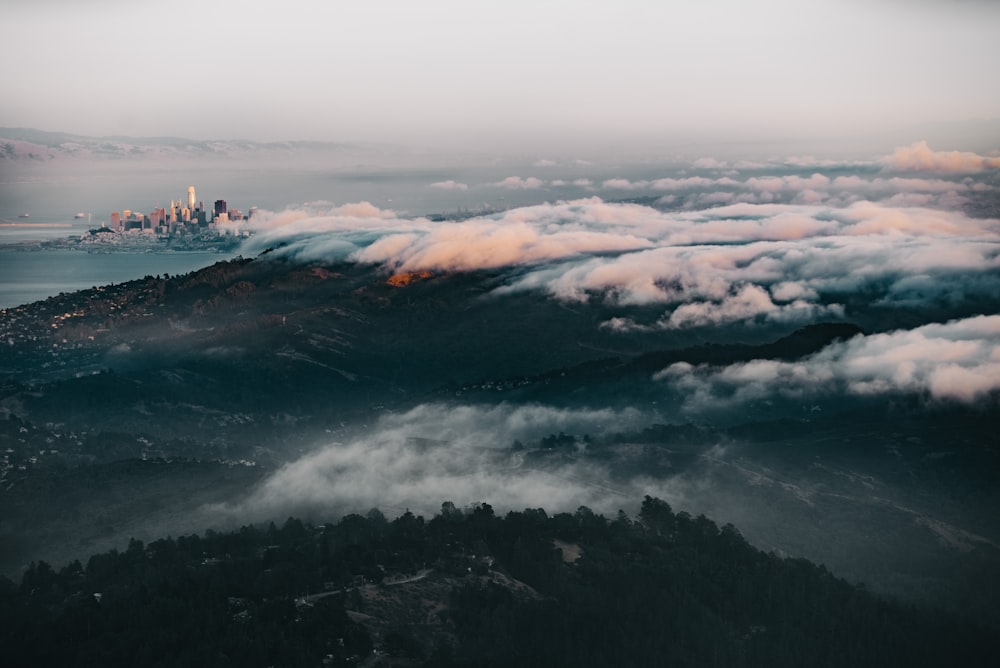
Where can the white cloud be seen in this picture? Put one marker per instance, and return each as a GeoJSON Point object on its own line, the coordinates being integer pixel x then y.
{"type": "Point", "coordinates": [518, 183]}
{"type": "Point", "coordinates": [919, 157]}
{"type": "Point", "coordinates": [780, 183]}
{"type": "Point", "coordinates": [812, 189]}
{"type": "Point", "coordinates": [624, 184]}
{"type": "Point", "coordinates": [955, 361]}
{"type": "Point", "coordinates": [692, 182]}
{"type": "Point", "coordinates": [438, 452]}
{"type": "Point", "coordinates": [709, 163]}
{"type": "Point", "coordinates": [746, 303]}
{"type": "Point", "coordinates": [809, 197]}
{"type": "Point", "coordinates": [450, 185]}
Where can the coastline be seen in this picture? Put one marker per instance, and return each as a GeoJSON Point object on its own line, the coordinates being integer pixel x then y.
{"type": "Point", "coordinates": [35, 271]}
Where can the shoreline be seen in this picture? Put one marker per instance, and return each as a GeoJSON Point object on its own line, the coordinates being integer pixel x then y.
{"type": "Point", "coordinates": [131, 244]}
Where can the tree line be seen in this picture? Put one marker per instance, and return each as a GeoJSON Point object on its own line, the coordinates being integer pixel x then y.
{"type": "Point", "coordinates": [662, 588]}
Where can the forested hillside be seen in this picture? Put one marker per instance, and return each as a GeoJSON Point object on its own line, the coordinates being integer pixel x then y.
{"type": "Point", "coordinates": [467, 588]}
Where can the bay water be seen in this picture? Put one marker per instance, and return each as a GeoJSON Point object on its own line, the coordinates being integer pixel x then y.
{"type": "Point", "coordinates": [32, 275]}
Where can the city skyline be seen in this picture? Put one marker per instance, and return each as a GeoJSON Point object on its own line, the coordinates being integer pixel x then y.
{"type": "Point", "coordinates": [178, 219]}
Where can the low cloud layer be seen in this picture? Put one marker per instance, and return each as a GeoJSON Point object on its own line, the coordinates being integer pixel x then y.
{"type": "Point", "coordinates": [450, 184]}
{"type": "Point", "coordinates": [489, 244]}
{"type": "Point", "coordinates": [518, 183]}
{"type": "Point", "coordinates": [945, 177]}
{"type": "Point", "coordinates": [919, 157]}
{"type": "Point", "coordinates": [438, 452]}
{"type": "Point", "coordinates": [771, 247]}
{"type": "Point", "coordinates": [955, 361]}
{"type": "Point", "coordinates": [780, 263]}
{"type": "Point", "coordinates": [462, 453]}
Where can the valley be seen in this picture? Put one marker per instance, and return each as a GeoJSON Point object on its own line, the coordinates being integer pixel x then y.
{"type": "Point", "coordinates": [174, 404]}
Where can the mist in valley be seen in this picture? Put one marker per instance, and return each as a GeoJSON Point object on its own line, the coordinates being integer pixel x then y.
{"type": "Point", "coordinates": [402, 330]}
{"type": "Point", "coordinates": [644, 263]}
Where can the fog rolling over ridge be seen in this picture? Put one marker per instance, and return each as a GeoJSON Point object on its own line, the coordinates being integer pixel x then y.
{"type": "Point", "coordinates": [566, 333]}
{"type": "Point", "coordinates": [905, 246]}
{"type": "Point", "coordinates": [807, 346]}
{"type": "Point", "coordinates": [449, 451]}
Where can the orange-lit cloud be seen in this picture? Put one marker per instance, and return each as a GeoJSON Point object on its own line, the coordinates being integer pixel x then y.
{"type": "Point", "coordinates": [732, 261]}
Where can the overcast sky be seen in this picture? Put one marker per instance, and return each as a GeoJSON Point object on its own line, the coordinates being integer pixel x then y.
{"type": "Point", "coordinates": [495, 71]}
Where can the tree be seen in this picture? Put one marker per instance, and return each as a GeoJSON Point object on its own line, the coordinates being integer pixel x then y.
{"type": "Point", "coordinates": [657, 516]}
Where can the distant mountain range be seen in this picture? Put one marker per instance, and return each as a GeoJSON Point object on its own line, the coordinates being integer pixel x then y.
{"type": "Point", "coordinates": [34, 145]}
{"type": "Point", "coordinates": [29, 144]}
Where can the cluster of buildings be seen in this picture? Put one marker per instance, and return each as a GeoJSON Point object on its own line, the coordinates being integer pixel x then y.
{"type": "Point", "coordinates": [182, 217]}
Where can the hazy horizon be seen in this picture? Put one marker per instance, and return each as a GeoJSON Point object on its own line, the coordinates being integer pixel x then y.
{"type": "Point", "coordinates": [553, 76]}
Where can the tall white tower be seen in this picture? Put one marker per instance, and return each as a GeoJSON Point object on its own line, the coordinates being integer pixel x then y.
{"type": "Point", "coordinates": [191, 199]}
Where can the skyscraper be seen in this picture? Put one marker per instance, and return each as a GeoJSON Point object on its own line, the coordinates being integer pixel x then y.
{"type": "Point", "coordinates": [220, 206]}
{"type": "Point", "coordinates": [191, 199]}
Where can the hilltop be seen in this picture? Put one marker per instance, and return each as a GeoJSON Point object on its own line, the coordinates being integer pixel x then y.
{"type": "Point", "coordinates": [175, 403]}
{"type": "Point", "coordinates": [323, 342]}
{"type": "Point", "coordinates": [468, 587]}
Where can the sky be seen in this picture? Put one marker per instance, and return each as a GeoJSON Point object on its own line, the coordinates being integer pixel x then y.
{"type": "Point", "coordinates": [496, 74]}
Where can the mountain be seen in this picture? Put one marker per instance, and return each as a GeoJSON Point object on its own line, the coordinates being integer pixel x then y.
{"type": "Point", "coordinates": [28, 144]}
{"type": "Point", "coordinates": [258, 388]}
{"type": "Point", "coordinates": [468, 588]}
{"type": "Point", "coordinates": [324, 341]}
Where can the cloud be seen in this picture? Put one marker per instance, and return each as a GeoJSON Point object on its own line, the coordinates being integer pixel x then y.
{"type": "Point", "coordinates": [898, 185]}
{"type": "Point", "coordinates": [919, 157]}
{"type": "Point", "coordinates": [483, 244]}
{"type": "Point", "coordinates": [543, 162]}
{"type": "Point", "coordinates": [812, 189]}
{"type": "Point", "coordinates": [709, 163]}
{"type": "Point", "coordinates": [870, 218]}
{"type": "Point", "coordinates": [742, 261]}
{"type": "Point", "coordinates": [325, 233]}
{"type": "Point", "coordinates": [780, 263]}
{"type": "Point", "coordinates": [450, 185]}
{"type": "Point", "coordinates": [692, 182]}
{"type": "Point", "coordinates": [518, 183]}
{"type": "Point", "coordinates": [699, 192]}
{"type": "Point", "coordinates": [669, 183]}
{"type": "Point", "coordinates": [779, 183]}
{"type": "Point", "coordinates": [809, 197]}
{"type": "Point", "coordinates": [812, 162]}
{"type": "Point", "coordinates": [709, 200]}
{"type": "Point", "coordinates": [624, 184]}
{"type": "Point", "coordinates": [955, 361]}
{"type": "Point", "coordinates": [321, 216]}
{"type": "Point", "coordinates": [579, 183]}
{"type": "Point", "coordinates": [748, 302]}
{"type": "Point", "coordinates": [362, 210]}
{"type": "Point", "coordinates": [438, 452]}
